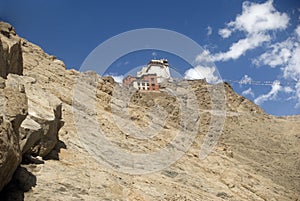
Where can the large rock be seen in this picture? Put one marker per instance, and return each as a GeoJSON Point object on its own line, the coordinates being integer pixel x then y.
{"type": "Point", "coordinates": [13, 103]}
{"type": "Point", "coordinates": [11, 60]}
{"type": "Point", "coordinates": [38, 134]}
{"type": "Point", "coordinates": [39, 131]}
{"type": "Point", "coordinates": [31, 133]}
{"type": "Point", "coordinates": [7, 30]}
{"type": "Point", "coordinates": [3, 60]}
{"type": "Point", "coordinates": [10, 155]}
{"type": "Point", "coordinates": [13, 110]}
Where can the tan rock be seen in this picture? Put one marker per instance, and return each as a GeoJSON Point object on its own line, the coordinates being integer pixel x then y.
{"type": "Point", "coordinates": [10, 154]}
{"type": "Point", "coordinates": [3, 60]}
{"type": "Point", "coordinates": [11, 59]}
{"type": "Point", "coordinates": [6, 29]}
{"type": "Point", "coordinates": [13, 110]}
{"type": "Point", "coordinates": [39, 132]}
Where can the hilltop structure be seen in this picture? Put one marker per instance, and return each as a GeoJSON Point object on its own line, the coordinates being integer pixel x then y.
{"type": "Point", "coordinates": [150, 76]}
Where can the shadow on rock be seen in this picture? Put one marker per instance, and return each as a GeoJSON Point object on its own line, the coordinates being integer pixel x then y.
{"type": "Point", "coordinates": [22, 181]}
{"type": "Point", "coordinates": [28, 159]}
{"type": "Point", "coordinates": [54, 154]}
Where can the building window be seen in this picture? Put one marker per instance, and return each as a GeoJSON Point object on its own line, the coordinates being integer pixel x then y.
{"type": "Point", "coordinates": [148, 84]}
{"type": "Point", "coordinates": [143, 88]}
{"type": "Point", "coordinates": [153, 85]}
{"type": "Point", "coordinates": [152, 79]}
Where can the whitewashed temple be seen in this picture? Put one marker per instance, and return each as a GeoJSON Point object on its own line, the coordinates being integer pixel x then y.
{"type": "Point", "coordinates": [159, 67]}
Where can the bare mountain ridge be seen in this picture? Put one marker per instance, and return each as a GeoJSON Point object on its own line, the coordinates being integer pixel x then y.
{"type": "Point", "coordinates": [256, 157]}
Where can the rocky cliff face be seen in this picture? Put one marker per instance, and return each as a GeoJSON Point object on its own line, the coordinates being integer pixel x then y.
{"type": "Point", "coordinates": [30, 117]}
{"type": "Point", "coordinates": [13, 109]}
{"type": "Point", "coordinates": [256, 156]}
{"type": "Point", "coordinates": [11, 59]}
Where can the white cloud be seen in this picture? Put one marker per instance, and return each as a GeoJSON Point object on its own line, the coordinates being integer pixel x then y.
{"type": "Point", "coordinates": [272, 95]}
{"type": "Point", "coordinates": [286, 55]}
{"type": "Point", "coordinates": [288, 89]}
{"type": "Point", "coordinates": [278, 54]}
{"type": "Point", "coordinates": [118, 78]}
{"type": "Point", "coordinates": [239, 48]}
{"type": "Point", "coordinates": [298, 31]}
{"type": "Point", "coordinates": [257, 18]}
{"type": "Point", "coordinates": [292, 68]}
{"type": "Point", "coordinates": [204, 56]}
{"type": "Point", "coordinates": [209, 31]}
{"type": "Point", "coordinates": [298, 95]}
{"type": "Point", "coordinates": [248, 92]}
{"type": "Point", "coordinates": [246, 80]}
{"type": "Point", "coordinates": [255, 21]}
{"type": "Point", "coordinates": [201, 72]}
{"type": "Point", "coordinates": [225, 33]}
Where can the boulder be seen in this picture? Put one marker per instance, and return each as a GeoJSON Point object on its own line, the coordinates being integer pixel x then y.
{"type": "Point", "coordinates": [15, 59]}
{"type": "Point", "coordinates": [13, 110]}
{"type": "Point", "coordinates": [3, 60]}
{"type": "Point", "coordinates": [39, 131]}
{"type": "Point", "coordinates": [6, 29]}
{"type": "Point", "coordinates": [11, 60]}
{"type": "Point", "coordinates": [30, 133]}
{"type": "Point", "coordinates": [10, 154]}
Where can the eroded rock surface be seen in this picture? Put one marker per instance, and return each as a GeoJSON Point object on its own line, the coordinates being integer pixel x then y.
{"type": "Point", "coordinates": [29, 117]}
{"type": "Point", "coordinates": [13, 110]}
{"type": "Point", "coordinates": [39, 131]}
{"type": "Point", "coordinates": [11, 60]}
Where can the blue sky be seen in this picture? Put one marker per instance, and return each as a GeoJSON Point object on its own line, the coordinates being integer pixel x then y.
{"type": "Point", "coordinates": [248, 41]}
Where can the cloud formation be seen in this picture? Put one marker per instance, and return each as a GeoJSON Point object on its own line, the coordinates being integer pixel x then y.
{"type": "Point", "coordinates": [246, 80]}
{"type": "Point", "coordinates": [118, 78]}
{"type": "Point", "coordinates": [248, 92]}
{"type": "Point", "coordinates": [255, 22]}
{"type": "Point", "coordinates": [272, 95]}
{"type": "Point", "coordinates": [277, 54]}
{"type": "Point", "coordinates": [259, 18]}
{"type": "Point", "coordinates": [286, 55]}
{"type": "Point", "coordinates": [202, 72]}
{"type": "Point", "coordinates": [242, 46]}
{"type": "Point", "coordinates": [209, 31]}
{"type": "Point", "coordinates": [298, 95]}
{"type": "Point", "coordinates": [204, 57]}
{"type": "Point", "coordinates": [225, 33]}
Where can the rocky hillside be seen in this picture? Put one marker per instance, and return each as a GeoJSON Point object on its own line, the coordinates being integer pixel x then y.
{"type": "Point", "coordinates": [51, 149]}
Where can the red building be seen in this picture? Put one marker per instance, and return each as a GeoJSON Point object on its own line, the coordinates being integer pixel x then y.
{"type": "Point", "coordinates": [146, 82]}
{"type": "Point", "coordinates": [127, 81]}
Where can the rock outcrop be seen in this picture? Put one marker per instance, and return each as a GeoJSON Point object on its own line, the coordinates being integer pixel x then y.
{"type": "Point", "coordinates": [39, 131]}
{"type": "Point", "coordinates": [11, 60]}
{"type": "Point", "coordinates": [29, 117]}
{"type": "Point", "coordinates": [13, 110]}
{"type": "Point", "coordinates": [256, 157]}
